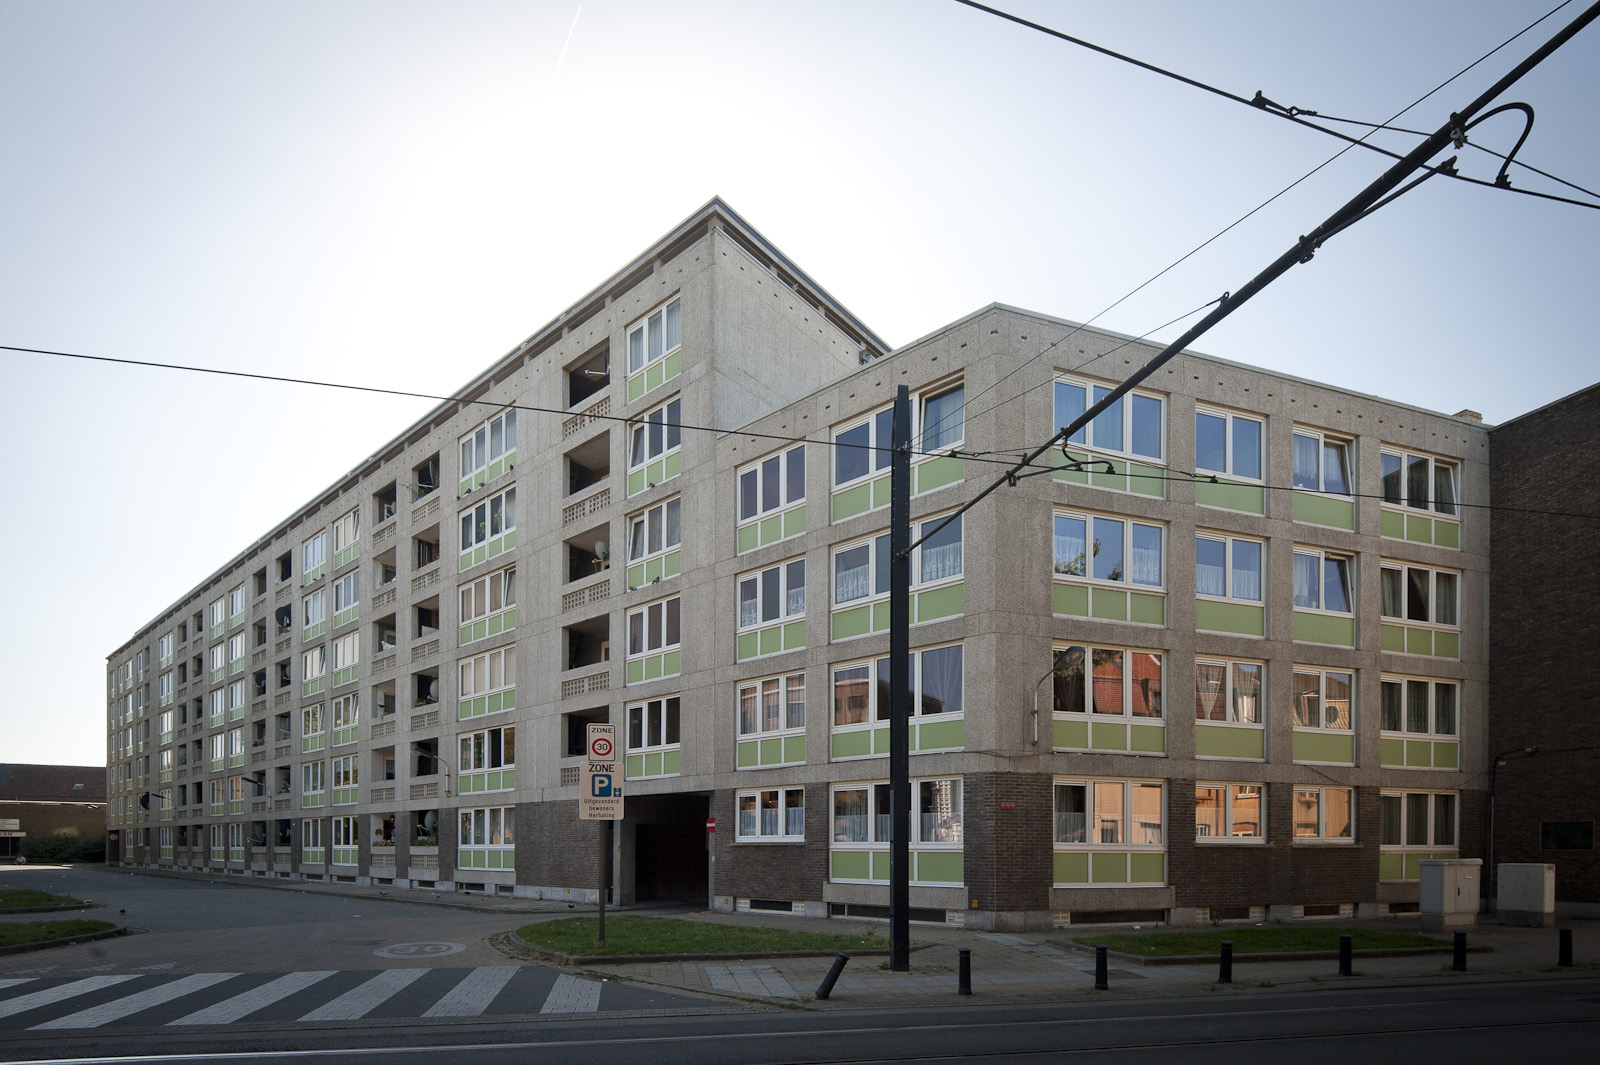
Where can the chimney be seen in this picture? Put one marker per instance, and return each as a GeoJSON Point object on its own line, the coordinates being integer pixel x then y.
{"type": "Point", "coordinates": [1469, 415]}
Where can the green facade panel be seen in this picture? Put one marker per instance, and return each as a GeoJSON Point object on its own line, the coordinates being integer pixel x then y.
{"type": "Point", "coordinates": [1337, 629]}
{"type": "Point", "coordinates": [854, 500]}
{"type": "Point", "coordinates": [1108, 604]}
{"type": "Point", "coordinates": [936, 473]}
{"type": "Point", "coordinates": [1147, 868]}
{"type": "Point", "coordinates": [1238, 618]}
{"type": "Point", "coordinates": [748, 538]}
{"type": "Point", "coordinates": [946, 602]}
{"type": "Point", "coordinates": [941, 735]}
{"type": "Point", "coordinates": [1419, 530]}
{"type": "Point", "coordinates": [1391, 752]}
{"type": "Point", "coordinates": [1147, 609]}
{"type": "Point", "coordinates": [1224, 741]}
{"type": "Point", "coordinates": [855, 744]}
{"type": "Point", "coordinates": [749, 754]}
{"type": "Point", "coordinates": [794, 521]}
{"type": "Point", "coordinates": [1108, 868]}
{"type": "Point", "coordinates": [1338, 748]}
{"type": "Point", "coordinates": [1147, 739]}
{"type": "Point", "coordinates": [1069, 734]}
{"type": "Point", "coordinates": [1071, 600]}
{"type": "Point", "coordinates": [1419, 754]}
{"type": "Point", "coordinates": [794, 749]}
{"type": "Point", "coordinates": [1226, 495]}
{"type": "Point", "coordinates": [1446, 755]}
{"type": "Point", "coordinates": [938, 867]}
{"type": "Point", "coordinates": [1392, 638]}
{"type": "Point", "coordinates": [1446, 533]}
{"type": "Point", "coordinates": [1392, 525]}
{"type": "Point", "coordinates": [850, 865]}
{"type": "Point", "coordinates": [1419, 642]}
{"type": "Point", "coordinates": [1108, 736]}
{"type": "Point", "coordinates": [1324, 510]}
{"type": "Point", "coordinates": [1070, 868]}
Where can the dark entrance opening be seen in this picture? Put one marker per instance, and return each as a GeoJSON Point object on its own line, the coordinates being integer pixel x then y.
{"type": "Point", "coordinates": [669, 847]}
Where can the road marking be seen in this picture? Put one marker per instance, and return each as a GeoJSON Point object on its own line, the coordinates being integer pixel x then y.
{"type": "Point", "coordinates": [472, 996]}
{"type": "Point", "coordinates": [95, 1016]}
{"type": "Point", "coordinates": [572, 995]}
{"type": "Point", "coordinates": [762, 981]}
{"type": "Point", "coordinates": [238, 1006]}
{"type": "Point", "coordinates": [49, 995]}
{"type": "Point", "coordinates": [419, 950]}
{"type": "Point", "coordinates": [359, 1001]}
{"type": "Point", "coordinates": [14, 983]}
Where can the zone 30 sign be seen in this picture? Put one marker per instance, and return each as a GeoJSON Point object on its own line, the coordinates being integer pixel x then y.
{"type": "Point", "coordinates": [600, 783]}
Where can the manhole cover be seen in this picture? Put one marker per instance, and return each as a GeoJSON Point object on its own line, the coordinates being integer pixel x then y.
{"type": "Point", "coordinates": [419, 950]}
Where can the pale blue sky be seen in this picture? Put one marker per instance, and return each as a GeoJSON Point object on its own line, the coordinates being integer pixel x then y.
{"type": "Point", "coordinates": [398, 193]}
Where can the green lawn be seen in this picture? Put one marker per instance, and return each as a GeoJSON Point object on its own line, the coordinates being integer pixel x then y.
{"type": "Point", "coordinates": [25, 898]}
{"type": "Point", "coordinates": [634, 934]}
{"type": "Point", "coordinates": [37, 931]}
{"type": "Point", "coordinates": [1252, 941]}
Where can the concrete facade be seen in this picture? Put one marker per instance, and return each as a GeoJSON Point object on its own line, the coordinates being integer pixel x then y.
{"type": "Point", "coordinates": [732, 629]}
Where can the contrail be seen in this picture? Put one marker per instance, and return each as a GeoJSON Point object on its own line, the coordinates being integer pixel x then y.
{"type": "Point", "coordinates": [562, 57]}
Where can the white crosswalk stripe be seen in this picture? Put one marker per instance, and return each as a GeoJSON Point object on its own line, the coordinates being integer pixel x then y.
{"type": "Point", "coordinates": [256, 998]}
{"type": "Point", "coordinates": [359, 1001]}
{"type": "Point", "coordinates": [59, 993]}
{"type": "Point", "coordinates": [573, 995]}
{"type": "Point", "coordinates": [106, 1012]}
{"type": "Point", "coordinates": [13, 983]}
{"type": "Point", "coordinates": [472, 996]}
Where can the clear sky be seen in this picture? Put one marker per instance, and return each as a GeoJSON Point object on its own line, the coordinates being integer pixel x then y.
{"type": "Point", "coordinates": [397, 193]}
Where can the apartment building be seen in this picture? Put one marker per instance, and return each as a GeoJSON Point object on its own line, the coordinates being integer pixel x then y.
{"type": "Point", "coordinates": [393, 685]}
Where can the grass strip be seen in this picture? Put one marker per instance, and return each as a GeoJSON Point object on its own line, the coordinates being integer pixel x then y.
{"type": "Point", "coordinates": [636, 934]}
{"type": "Point", "coordinates": [15, 933]}
{"type": "Point", "coordinates": [1161, 944]}
{"type": "Point", "coordinates": [27, 898]}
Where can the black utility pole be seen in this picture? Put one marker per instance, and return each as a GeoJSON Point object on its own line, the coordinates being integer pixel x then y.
{"type": "Point", "coordinates": [900, 685]}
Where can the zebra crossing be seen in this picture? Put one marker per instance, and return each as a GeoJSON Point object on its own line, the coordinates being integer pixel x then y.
{"type": "Point", "coordinates": [141, 1000]}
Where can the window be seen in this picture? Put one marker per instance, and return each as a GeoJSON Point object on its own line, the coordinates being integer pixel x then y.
{"type": "Point", "coordinates": [346, 716]}
{"type": "Point", "coordinates": [313, 663]}
{"type": "Point", "coordinates": [1321, 462]}
{"type": "Point", "coordinates": [654, 627]}
{"type": "Point", "coordinates": [345, 836]}
{"type": "Point", "coordinates": [656, 434]}
{"type": "Point", "coordinates": [312, 721]}
{"type": "Point", "coordinates": [861, 689]}
{"type": "Point", "coordinates": [494, 826]}
{"type": "Point", "coordinates": [345, 532]}
{"type": "Point", "coordinates": [1324, 814]}
{"type": "Point", "coordinates": [216, 706]}
{"type": "Point", "coordinates": [1228, 691]}
{"type": "Point", "coordinates": [236, 602]}
{"type": "Point", "coordinates": [314, 609]}
{"type": "Point", "coordinates": [219, 618]}
{"type": "Point", "coordinates": [346, 591]}
{"type": "Point", "coordinates": [1227, 443]}
{"type": "Point", "coordinates": [1122, 683]}
{"type": "Point", "coordinates": [772, 484]}
{"type": "Point", "coordinates": [491, 440]}
{"type": "Point", "coordinates": [1131, 426]}
{"type": "Point", "coordinates": [1417, 819]}
{"type": "Point", "coordinates": [1322, 699]}
{"type": "Point", "coordinates": [1416, 593]}
{"type": "Point", "coordinates": [1227, 567]}
{"type": "Point", "coordinates": [314, 554]}
{"type": "Point", "coordinates": [494, 517]}
{"type": "Point", "coordinates": [654, 338]}
{"type": "Point", "coordinates": [344, 776]}
{"type": "Point", "coordinates": [346, 654]}
{"type": "Point", "coordinates": [494, 748]}
{"type": "Point", "coordinates": [1420, 707]}
{"type": "Point", "coordinates": [774, 594]}
{"type": "Point", "coordinates": [1322, 580]}
{"type": "Point", "coordinates": [861, 569]}
{"type": "Point", "coordinates": [1119, 550]}
{"type": "Point", "coordinates": [943, 417]}
{"type": "Point", "coordinates": [772, 705]}
{"type": "Point", "coordinates": [774, 815]}
{"type": "Point", "coordinates": [1418, 481]}
{"type": "Point", "coordinates": [311, 839]}
{"type": "Point", "coordinates": [863, 448]}
{"type": "Point", "coordinates": [653, 725]}
{"type": "Point", "coordinates": [489, 595]}
{"type": "Point", "coordinates": [1230, 812]}
{"type": "Point", "coordinates": [236, 652]}
{"type": "Point", "coordinates": [313, 780]}
{"type": "Point", "coordinates": [655, 531]}
{"type": "Point", "coordinates": [236, 699]}
{"type": "Point", "coordinates": [492, 671]}
{"type": "Point", "coordinates": [1123, 813]}
{"type": "Point", "coordinates": [166, 648]}
{"type": "Point", "coordinates": [861, 813]}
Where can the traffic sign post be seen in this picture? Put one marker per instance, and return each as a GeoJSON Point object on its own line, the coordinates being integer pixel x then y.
{"type": "Point", "coordinates": [600, 799]}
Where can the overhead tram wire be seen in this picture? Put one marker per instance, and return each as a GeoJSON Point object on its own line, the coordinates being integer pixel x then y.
{"type": "Point", "coordinates": [1353, 142]}
{"type": "Point", "coordinates": [1289, 114]}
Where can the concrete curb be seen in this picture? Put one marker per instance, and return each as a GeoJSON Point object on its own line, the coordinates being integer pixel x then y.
{"type": "Point", "coordinates": [556, 957]}
{"type": "Point", "coordinates": [50, 909]}
{"type": "Point", "coordinates": [1296, 955]}
{"type": "Point", "coordinates": [45, 944]}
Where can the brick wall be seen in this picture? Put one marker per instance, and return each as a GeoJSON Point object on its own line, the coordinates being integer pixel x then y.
{"type": "Point", "coordinates": [781, 871]}
{"type": "Point", "coordinates": [554, 848]}
{"type": "Point", "coordinates": [1009, 840]}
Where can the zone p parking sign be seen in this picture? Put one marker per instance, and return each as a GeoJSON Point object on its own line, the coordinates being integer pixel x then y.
{"type": "Point", "coordinates": [600, 783]}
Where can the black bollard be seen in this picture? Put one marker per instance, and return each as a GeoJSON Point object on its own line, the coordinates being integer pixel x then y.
{"type": "Point", "coordinates": [1225, 969]}
{"type": "Point", "coordinates": [1344, 956]}
{"type": "Point", "coordinates": [1564, 959]}
{"type": "Point", "coordinates": [1100, 983]}
{"type": "Point", "coordinates": [1459, 962]}
{"type": "Point", "coordinates": [825, 988]}
{"type": "Point", "coordinates": [964, 972]}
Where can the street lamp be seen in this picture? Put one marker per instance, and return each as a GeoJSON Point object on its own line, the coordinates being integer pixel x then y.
{"type": "Point", "coordinates": [1053, 667]}
{"type": "Point", "coordinates": [434, 754]}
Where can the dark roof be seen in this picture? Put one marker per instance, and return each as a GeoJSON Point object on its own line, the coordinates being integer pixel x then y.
{"type": "Point", "coordinates": [52, 783]}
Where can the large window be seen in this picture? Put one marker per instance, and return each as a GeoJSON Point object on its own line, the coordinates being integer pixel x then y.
{"type": "Point", "coordinates": [1321, 462]}
{"type": "Point", "coordinates": [489, 595]}
{"type": "Point", "coordinates": [345, 531]}
{"type": "Point", "coordinates": [314, 553]}
{"type": "Point", "coordinates": [1420, 707]}
{"type": "Point", "coordinates": [493, 826]}
{"type": "Point", "coordinates": [1132, 426]}
{"type": "Point", "coordinates": [1322, 580]}
{"type": "Point", "coordinates": [1322, 699]}
{"type": "Point", "coordinates": [488, 442]}
{"type": "Point", "coordinates": [1228, 691]}
{"type": "Point", "coordinates": [654, 627]}
{"type": "Point", "coordinates": [1234, 812]}
{"type": "Point", "coordinates": [1123, 813]}
{"type": "Point", "coordinates": [656, 336]}
{"type": "Point", "coordinates": [313, 663]}
{"type": "Point", "coordinates": [863, 448]}
{"type": "Point", "coordinates": [653, 725]}
{"type": "Point", "coordinates": [655, 531]}
{"type": "Point", "coordinates": [236, 602]}
{"type": "Point", "coordinates": [1228, 567]}
{"type": "Point", "coordinates": [494, 517]}
{"type": "Point", "coordinates": [773, 483]}
{"type": "Point", "coordinates": [861, 812]}
{"type": "Point", "coordinates": [775, 815]}
{"type": "Point", "coordinates": [772, 705]}
{"type": "Point", "coordinates": [1117, 550]}
{"type": "Point", "coordinates": [346, 718]}
{"type": "Point", "coordinates": [494, 748]}
{"type": "Point", "coordinates": [313, 778]}
{"type": "Point", "coordinates": [1324, 814]}
{"type": "Point", "coordinates": [861, 689]}
{"type": "Point", "coordinates": [1419, 481]}
{"type": "Point", "coordinates": [491, 671]}
{"type": "Point", "coordinates": [655, 434]}
{"type": "Point", "coordinates": [1417, 593]}
{"type": "Point", "coordinates": [1417, 819]}
{"type": "Point", "coordinates": [345, 775]}
{"type": "Point", "coordinates": [314, 609]}
{"type": "Point", "coordinates": [774, 594]}
{"type": "Point", "coordinates": [861, 568]}
{"type": "Point", "coordinates": [346, 655]}
{"type": "Point", "coordinates": [1108, 681]}
{"type": "Point", "coordinates": [1227, 443]}
{"type": "Point", "coordinates": [943, 419]}
{"type": "Point", "coordinates": [346, 591]}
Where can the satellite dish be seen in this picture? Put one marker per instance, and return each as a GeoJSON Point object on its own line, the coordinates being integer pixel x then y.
{"type": "Point", "coordinates": [602, 550]}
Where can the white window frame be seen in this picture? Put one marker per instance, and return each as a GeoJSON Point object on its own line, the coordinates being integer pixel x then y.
{"type": "Point", "coordinates": [1096, 823]}
{"type": "Point", "coordinates": [1126, 711]}
{"type": "Point", "coordinates": [1402, 574]}
{"type": "Point", "coordinates": [1322, 673]}
{"type": "Point", "coordinates": [876, 710]}
{"type": "Point", "coordinates": [1064, 570]}
{"type": "Point", "coordinates": [236, 602]}
{"type": "Point", "coordinates": [346, 591]}
{"type": "Point", "coordinates": [345, 772]}
{"type": "Point", "coordinates": [666, 712]}
{"type": "Point", "coordinates": [477, 675]}
{"type": "Point", "coordinates": [1088, 437]}
{"type": "Point", "coordinates": [236, 697]}
{"type": "Point", "coordinates": [488, 828]}
{"type": "Point", "coordinates": [484, 521]}
{"type": "Point", "coordinates": [1324, 557]}
{"type": "Point", "coordinates": [310, 835]}
{"type": "Point", "coordinates": [754, 695]}
{"type": "Point", "coordinates": [314, 663]}
{"type": "Point", "coordinates": [313, 721]}
{"type": "Point", "coordinates": [1230, 443]}
{"type": "Point", "coordinates": [877, 561]}
{"type": "Point", "coordinates": [486, 749]}
{"type": "Point", "coordinates": [166, 648]}
{"type": "Point", "coordinates": [640, 620]}
{"type": "Point", "coordinates": [932, 436]}
{"type": "Point", "coordinates": [345, 711]}
{"type": "Point", "coordinates": [758, 479]}
{"type": "Point", "coordinates": [313, 778]}
{"type": "Point", "coordinates": [500, 585]}
{"type": "Point", "coordinates": [314, 552]}
{"type": "Point", "coordinates": [346, 530]}
{"type": "Point", "coordinates": [1230, 553]}
{"type": "Point", "coordinates": [1406, 824]}
{"type": "Point", "coordinates": [1432, 686]}
{"type": "Point", "coordinates": [313, 608]}
{"type": "Point", "coordinates": [643, 447]}
{"type": "Point", "coordinates": [1347, 838]}
{"type": "Point", "coordinates": [236, 648]}
{"type": "Point", "coordinates": [217, 707]}
{"type": "Point", "coordinates": [751, 590]}
{"type": "Point", "coordinates": [750, 824]}
{"type": "Point", "coordinates": [667, 319]}
{"type": "Point", "coordinates": [346, 651]}
{"type": "Point", "coordinates": [878, 815]}
{"type": "Point", "coordinates": [1231, 793]}
{"type": "Point", "coordinates": [1325, 441]}
{"type": "Point", "coordinates": [658, 519]}
{"type": "Point", "coordinates": [478, 445]}
{"type": "Point", "coordinates": [1402, 497]}
{"type": "Point", "coordinates": [1229, 693]}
